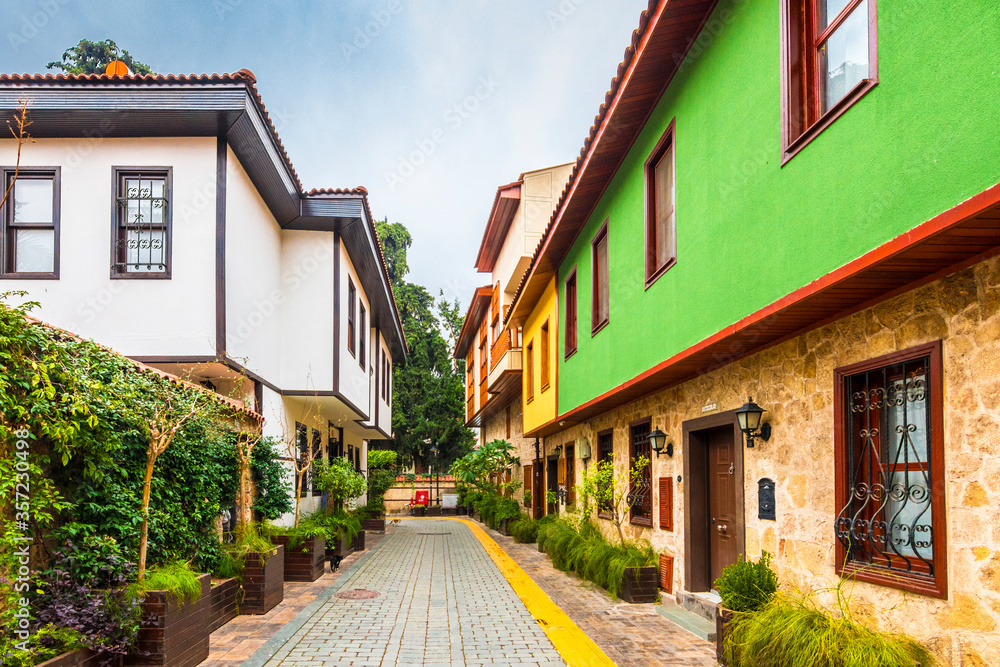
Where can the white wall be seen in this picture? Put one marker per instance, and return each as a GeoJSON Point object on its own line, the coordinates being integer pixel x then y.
{"type": "Point", "coordinates": [255, 288]}
{"type": "Point", "coordinates": [307, 310]}
{"type": "Point", "coordinates": [354, 380]}
{"type": "Point", "coordinates": [384, 409]}
{"type": "Point", "coordinates": [134, 317]}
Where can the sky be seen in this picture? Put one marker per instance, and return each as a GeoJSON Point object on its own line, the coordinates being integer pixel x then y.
{"type": "Point", "coordinates": [431, 106]}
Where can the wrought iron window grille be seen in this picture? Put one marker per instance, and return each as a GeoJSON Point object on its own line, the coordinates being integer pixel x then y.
{"type": "Point", "coordinates": [143, 223]}
{"type": "Point", "coordinates": [887, 521]}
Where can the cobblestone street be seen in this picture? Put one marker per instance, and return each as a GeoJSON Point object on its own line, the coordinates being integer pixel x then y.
{"type": "Point", "coordinates": [443, 601]}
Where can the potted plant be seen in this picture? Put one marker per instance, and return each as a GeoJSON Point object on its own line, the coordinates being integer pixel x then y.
{"type": "Point", "coordinates": [341, 483]}
{"type": "Point", "coordinates": [305, 550]}
{"type": "Point", "coordinates": [175, 617]}
{"type": "Point", "coordinates": [744, 587]}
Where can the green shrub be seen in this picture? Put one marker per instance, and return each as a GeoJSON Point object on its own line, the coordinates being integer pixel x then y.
{"type": "Point", "coordinates": [234, 554]}
{"type": "Point", "coordinates": [796, 633]}
{"type": "Point", "coordinates": [587, 553]}
{"type": "Point", "coordinates": [177, 579]}
{"type": "Point", "coordinates": [43, 644]}
{"type": "Point", "coordinates": [747, 586]}
{"type": "Point", "coordinates": [524, 529]}
{"type": "Point", "coordinates": [273, 489]}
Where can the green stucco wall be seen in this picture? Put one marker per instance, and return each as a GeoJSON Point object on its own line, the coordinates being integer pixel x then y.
{"type": "Point", "coordinates": [750, 231]}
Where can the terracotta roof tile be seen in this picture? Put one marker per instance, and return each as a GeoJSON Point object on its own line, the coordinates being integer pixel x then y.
{"type": "Point", "coordinates": [360, 190]}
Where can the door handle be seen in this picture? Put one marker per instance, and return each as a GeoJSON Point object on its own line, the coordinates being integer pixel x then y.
{"type": "Point", "coordinates": [722, 528]}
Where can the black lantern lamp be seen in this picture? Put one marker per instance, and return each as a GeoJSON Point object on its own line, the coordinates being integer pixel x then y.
{"type": "Point", "coordinates": [749, 419]}
{"type": "Point", "coordinates": [657, 438]}
{"type": "Point", "coordinates": [558, 450]}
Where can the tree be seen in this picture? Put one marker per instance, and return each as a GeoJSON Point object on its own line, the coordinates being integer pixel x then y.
{"type": "Point", "coordinates": [89, 57]}
{"type": "Point", "coordinates": [428, 395]}
{"type": "Point", "coordinates": [19, 130]}
{"type": "Point", "coordinates": [613, 493]}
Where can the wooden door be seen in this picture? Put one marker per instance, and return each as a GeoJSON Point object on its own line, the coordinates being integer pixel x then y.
{"type": "Point", "coordinates": [553, 484]}
{"type": "Point", "coordinates": [570, 475]}
{"type": "Point", "coordinates": [723, 520]}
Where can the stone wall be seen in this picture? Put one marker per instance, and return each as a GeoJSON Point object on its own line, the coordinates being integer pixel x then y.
{"type": "Point", "coordinates": [524, 448]}
{"type": "Point", "coordinates": [794, 382]}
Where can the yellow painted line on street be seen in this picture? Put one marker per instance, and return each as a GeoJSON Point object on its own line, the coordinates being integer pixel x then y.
{"type": "Point", "coordinates": [570, 640]}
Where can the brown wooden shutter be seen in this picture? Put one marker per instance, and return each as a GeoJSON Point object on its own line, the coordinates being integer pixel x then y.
{"type": "Point", "coordinates": [667, 572]}
{"type": "Point", "coordinates": [561, 471]}
{"type": "Point", "coordinates": [527, 480]}
{"type": "Point", "coordinates": [667, 503]}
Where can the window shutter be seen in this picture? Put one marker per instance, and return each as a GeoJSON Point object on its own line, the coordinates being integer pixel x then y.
{"type": "Point", "coordinates": [667, 503]}
{"type": "Point", "coordinates": [561, 467]}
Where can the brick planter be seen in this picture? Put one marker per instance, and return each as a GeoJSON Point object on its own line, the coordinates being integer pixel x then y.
{"type": "Point", "coordinates": [306, 561]}
{"type": "Point", "coordinates": [172, 634]}
{"type": "Point", "coordinates": [640, 584]}
{"type": "Point", "coordinates": [359, 541]}
{"type": "Point", "coordinates": [79, 658]}
{"type": "Point", "coordinates": [223, 607]}
{"type": "Point", "coordinates": [263, 581]}
{"type": "Point", "coordinates": [374, 525]}
{"type": "Point", "coordinates": [722, 618]}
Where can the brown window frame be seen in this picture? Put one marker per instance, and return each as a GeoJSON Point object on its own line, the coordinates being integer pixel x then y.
{"type": "Point", "coordinates": [597, 324]}
{"type": "Point", "coordinates": [605, 512]}
{"type": "Point", "coordinates": [8, 226]}
{"type": "Point", "coordinates": [636, 449]}
{"type": "Point", "coordinates": [119, 175]}
{"type": "Point", "coordinates": [302, 444]}
{"type": "Point", "coordinates": [570, 332]}
{"type": "Point", "coordinates": [317, 445]}
{"type": "Point", "coordinates": [933, 585]}
{"type": "Point", "coordinates": [543, 354]}
{"type": "Point", "coordinates": [529, 371]}
{"type": "Point", "coordinates": [362, 333]}
{"type": "Point", "coordinates": [801, 93]}
{"type": "Point", "coordinates": [352, 297]}
{"type": "Point", "coordinates": [665, 145]}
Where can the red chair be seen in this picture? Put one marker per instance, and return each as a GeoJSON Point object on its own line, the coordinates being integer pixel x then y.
{"type": "Point", "coordinates": [422, 498]}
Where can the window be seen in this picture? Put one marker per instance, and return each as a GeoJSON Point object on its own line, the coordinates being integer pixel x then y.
{"type": "Point", "coordinates": [142, 238]}
{"type": "Point", "coordinates": [385, 376]}
{"type": "Point", "coordinates": [31, 223]}
{"type": "Point", "coordinates": [642, 509]}
{"type": "Point", "coordinates": [529, 371]}
{"type": "Point", "coordinates": [544, 351]}
{"type": "Point", "coordinates": [599, 280]}
{"type": "Point", "coordinates": [317, 445]}
{"type": "Point", "coordinates": [661, 237]}
{"type": "Point", "coordinates": [352, 294]}
{"type": "Point", "coordinates": [889, 470]}
{"type": "Point", "coordinates": [830, 63]}
{"type": "Point", "coordinates": [362, 334]}
{"type": "Point", "coordinates": [606, 452]}
{"type": "Point", "coordinates": [302, 440]}
{"type": "Point", "coordinates": [570, 334]}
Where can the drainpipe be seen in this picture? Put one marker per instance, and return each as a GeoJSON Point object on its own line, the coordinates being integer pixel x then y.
{"type": "Point", "coordinates": [537, 498]}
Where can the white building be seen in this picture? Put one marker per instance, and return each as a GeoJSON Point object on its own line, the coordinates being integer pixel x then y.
{"type": "Point", "coordinates": [161, 216]}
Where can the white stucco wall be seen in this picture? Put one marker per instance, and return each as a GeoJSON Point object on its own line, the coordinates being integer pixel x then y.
{"type": "Point", "coordinates": [307, 311]}
{"type": "Point", "coordinates": [353, 378]}
{"type": "Point", "coordinates": [384, 409]}
{"type": "Point", "coordinates": [134, 317]}
{"type": "Point", "coordinates": [255, 287]}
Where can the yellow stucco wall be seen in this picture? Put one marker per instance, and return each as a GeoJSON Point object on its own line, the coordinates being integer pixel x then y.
{"type": "Point", "coordinates": [542, 407]}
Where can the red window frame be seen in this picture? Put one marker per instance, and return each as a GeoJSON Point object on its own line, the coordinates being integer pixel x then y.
{"type": "Point", "coordinates": [571, 313]}
{"type": "Point", "coordinates": [600, 289]}
{"type": "Point", "coordinates": [803, 118]}
{"type": "Point", "coordinates": [664, 148]}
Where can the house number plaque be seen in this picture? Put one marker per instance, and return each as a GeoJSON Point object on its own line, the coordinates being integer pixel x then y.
{"type": "Point", "coordinates": [765, 499]}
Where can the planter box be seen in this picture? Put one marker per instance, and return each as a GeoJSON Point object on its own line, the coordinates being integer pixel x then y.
{"type": "Point", "coordinates": [503, 529]}
{"type": "Point", "coordinates": [173, 635]}
{"type": "Point", "coordinates": [223, 607]}
{"type": "Point", "coordinates": [79, 658]}
{"type": "Point", "coordinates": [306, 562]}
{"type": "Point", "coordinates": [722, 617]}
{"type": "Point", "coordinates": [263, 581]}
{"type": "Point", "coordinates": [359, 541]}
{"type": "Point", "coordinates": [374, 525]}
{"type": "Point", "coordinates": [434, 511]}
{"type": "Point", "coordinates": [640, 584]}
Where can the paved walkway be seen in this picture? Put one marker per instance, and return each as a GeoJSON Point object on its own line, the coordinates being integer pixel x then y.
{"type": "Point", "coordinates": [441, 601]}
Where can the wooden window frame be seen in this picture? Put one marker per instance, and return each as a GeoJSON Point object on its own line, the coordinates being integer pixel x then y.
{"type": "Point", "coordinates": [936, 586]}
{"type": "Point", "coordinates": [666, 143]}
{"type": "Point", "coordinates": [301, 433]}
{"type": "Point", "coordinates": [543, 356]}
{"type": "Point", "coordinates": [352, 297]}
{"type": "Point", "coordinates": [595, 280]}
{"type": "Point", "coordinates": [793, 44]}
{"type": "Point", "coordinates": [632, 451]}
{"type": "Point", "coordinates": [605, 514]}
{"type": "Point", "coordinates": [119, 174]}
{"type": "Point", "coordinates": [572, 308]}
{"type": "Point", "coordinates": [317, 445]}
{"type": "Point", "coordinates": [362, 333]}
{"type": "Point", "coordinates": [529, 368]}
{"type": "Point", "coordinates": [7, 225]}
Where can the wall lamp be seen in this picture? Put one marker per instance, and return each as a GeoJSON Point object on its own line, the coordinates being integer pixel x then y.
{"type": "Point", "coordinates": [749, 419]}
{"type": "Point", "coordinates": [657, 438]}
{"type": "Point", "coordinates": [558, 450]}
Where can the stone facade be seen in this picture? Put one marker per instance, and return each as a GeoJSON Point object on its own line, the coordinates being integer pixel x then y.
{"type": "Point", "coordinates": [794, 381]}
{"type": "Point", "coordinates": [496, 429]}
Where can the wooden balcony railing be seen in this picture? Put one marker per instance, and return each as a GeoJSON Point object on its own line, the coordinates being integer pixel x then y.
{"type": "Point", "coordinates": [506, 342]}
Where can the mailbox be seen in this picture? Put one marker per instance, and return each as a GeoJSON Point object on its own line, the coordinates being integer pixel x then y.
{"type": "Point", "coordinates": [765, 499]}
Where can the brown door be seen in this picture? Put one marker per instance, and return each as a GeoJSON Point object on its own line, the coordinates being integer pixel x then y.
{"type": "Point", "coordinates": [722, 479]}
{"type": "Point", "coordinates": [570, 475]}
{"type": "Point", "coordinates": [553, 470]}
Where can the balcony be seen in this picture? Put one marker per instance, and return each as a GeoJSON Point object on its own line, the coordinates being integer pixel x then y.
{"type": "Point", "coordinates": [505, 362]}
